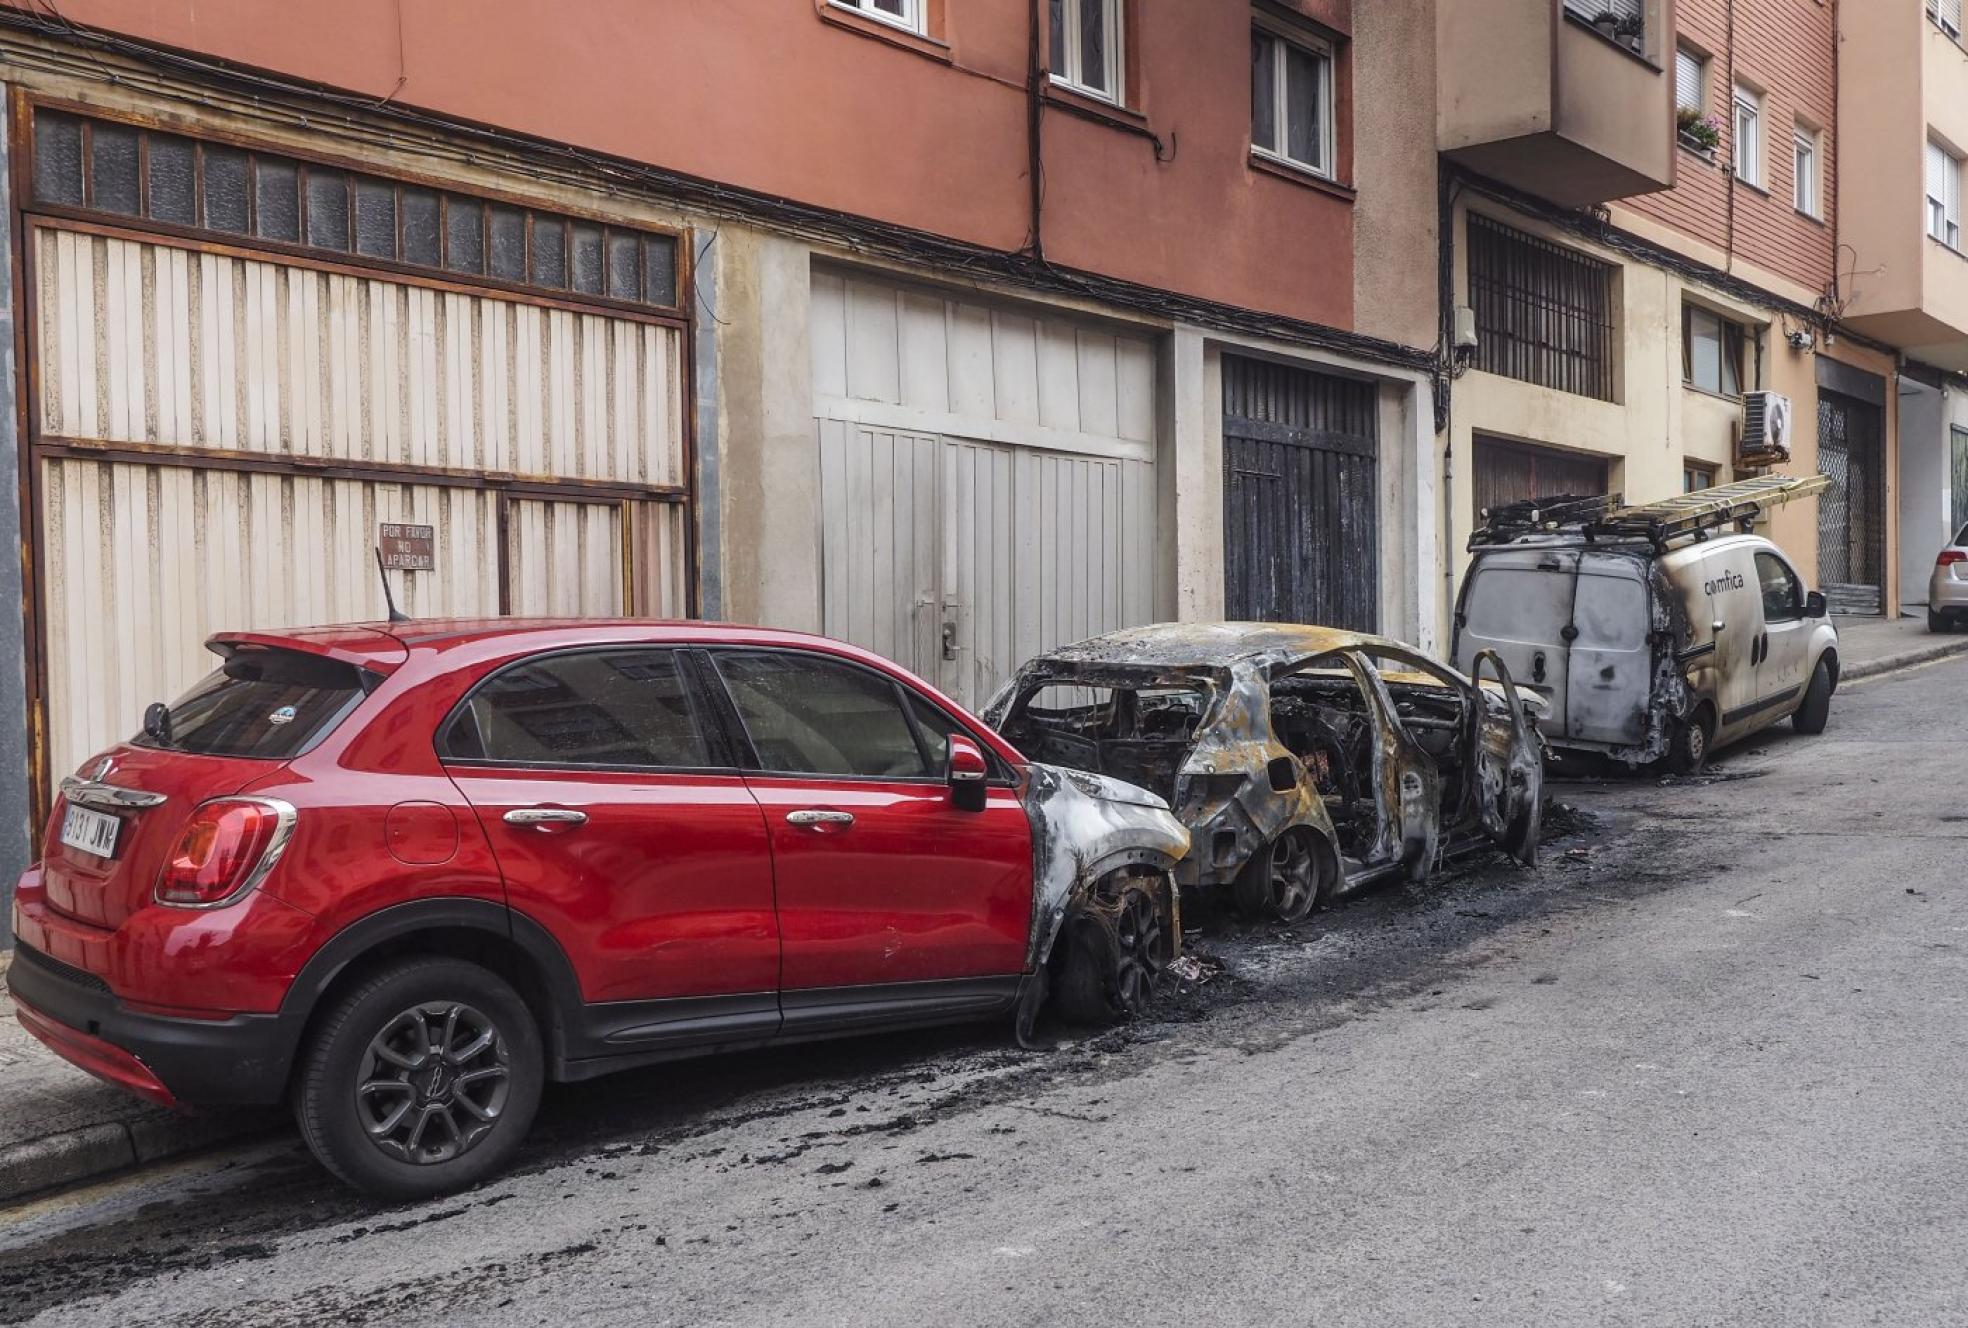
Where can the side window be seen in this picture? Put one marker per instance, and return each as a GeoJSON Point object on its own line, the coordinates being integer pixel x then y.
{"type": "Point", "coordinates": [807, 714]}
{"type": "Point", "coordinates": [1783, 600]}
{"type": "Point", "coordinates": [614, 708]}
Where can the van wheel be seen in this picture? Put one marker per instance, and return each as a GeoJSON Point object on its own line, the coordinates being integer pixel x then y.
{"type": "Point", "coordinates": [1118, 946]}
{"type": "Point", "coordinates": [1811, 716]}
{"type": "Point", "coordinates": [1688, 742]}
{"type": "Point", "coordinates": [1283, 881]}
{"type": "Point", "coordinates": [420, 1081]}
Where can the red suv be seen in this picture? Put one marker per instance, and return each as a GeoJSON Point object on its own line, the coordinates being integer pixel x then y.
{"type": "Point", "coordinates": [400, 875]}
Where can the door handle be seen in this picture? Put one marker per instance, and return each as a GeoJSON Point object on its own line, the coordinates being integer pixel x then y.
{"type": "Point", "coordinates": [545, 818]}
{"type": "Point", "coordinates": [816, 818]}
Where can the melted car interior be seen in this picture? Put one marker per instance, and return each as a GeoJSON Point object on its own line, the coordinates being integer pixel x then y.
{"type": "Point", "coordinates": [1320, 713]}
{"type": "Point", "coordinates": [1139, 734]}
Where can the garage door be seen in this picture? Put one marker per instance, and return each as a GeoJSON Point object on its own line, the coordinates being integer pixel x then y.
{"type": "Point", "coordinates": [1508, 472]}
{"type": "Point", "coordinates": [987, 479]}
{"type": "Point", "coordinates": [221, 431]}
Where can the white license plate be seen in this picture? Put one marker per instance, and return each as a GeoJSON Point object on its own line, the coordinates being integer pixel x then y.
{"type": "Point", "coordinates": [92, 832]}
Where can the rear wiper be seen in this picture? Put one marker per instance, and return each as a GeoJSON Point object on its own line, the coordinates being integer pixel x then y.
{"type": "Point", "coordinates": [157, 723]}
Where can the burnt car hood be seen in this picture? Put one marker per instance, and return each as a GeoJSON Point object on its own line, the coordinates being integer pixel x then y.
{"type": "Point", "coordinates": [1085, 826]}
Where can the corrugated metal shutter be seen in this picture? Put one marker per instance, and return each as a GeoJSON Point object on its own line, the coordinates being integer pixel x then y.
{"type": "Point", "coordinates": [143, 562]}
{"type": "Point", "coordinates": [987, 479]}
{"type": "Point", "coordinates": [222, 434]}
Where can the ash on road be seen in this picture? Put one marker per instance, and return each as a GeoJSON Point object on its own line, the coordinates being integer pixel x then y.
{"type": "Point", "coordinates": [1704, 1066]}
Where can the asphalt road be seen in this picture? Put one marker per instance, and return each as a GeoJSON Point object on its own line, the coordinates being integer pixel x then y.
{"type": "Point", "coordinates": [1706, 1066]}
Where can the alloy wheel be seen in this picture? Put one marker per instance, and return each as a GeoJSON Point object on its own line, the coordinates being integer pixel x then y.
{"type": "Point", "coordinates": [1294, 877]}
{"type": "Point", "coordinates": [1141, 950]}
{"type": "Point", "coordinates": [433, 1082]}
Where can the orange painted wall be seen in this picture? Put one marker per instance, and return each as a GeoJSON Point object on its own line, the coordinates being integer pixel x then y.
{"type": "Point", "coordinates": [793, 98]}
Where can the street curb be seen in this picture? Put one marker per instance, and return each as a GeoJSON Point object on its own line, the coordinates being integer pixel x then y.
{"type": "Point", "coordinates": [1905, 659]}
{"type": "Point", "coordinates": [91, 1152]}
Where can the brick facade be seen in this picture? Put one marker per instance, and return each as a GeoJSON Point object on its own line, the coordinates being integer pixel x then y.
{"type": "Point", "coordinates": [1784, 49]}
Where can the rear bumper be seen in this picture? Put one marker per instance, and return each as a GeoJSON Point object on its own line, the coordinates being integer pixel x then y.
{"type": "Point", "coordinates": [240, 1059]}
{"type": "Point", "coordinates": [1945, 594]}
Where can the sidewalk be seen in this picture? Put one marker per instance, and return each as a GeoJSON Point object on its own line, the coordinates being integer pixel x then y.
{"type": "Point", "coordinates": [1869, 646]}
{"type": "Point", "coordinates": [59, 1126]}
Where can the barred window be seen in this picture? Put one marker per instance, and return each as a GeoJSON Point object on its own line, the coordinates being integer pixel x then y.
{"type": "Point", "coordinates": [1544, 313]}
{"type": "Point", "coordinates": [90, 165]}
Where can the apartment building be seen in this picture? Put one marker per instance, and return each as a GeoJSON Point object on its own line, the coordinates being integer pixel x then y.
{"type": "Point", "coordinates": [1904, 94]}
{"type": "Point", "coordinates": [1645, 226]}
{"type": "Point", "coordinates": [958, 330]}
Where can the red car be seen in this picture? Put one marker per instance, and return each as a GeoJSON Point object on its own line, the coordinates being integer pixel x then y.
{"type": "Point", "coordinates": [400, 875]}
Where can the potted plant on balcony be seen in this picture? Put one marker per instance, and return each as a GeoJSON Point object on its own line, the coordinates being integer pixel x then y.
{"type": "Point", "coordinates": [1607, 22]}
{"type": "Point", "coordinates": [1698, 131]}
{"type": "Point", "coordinates": [1631, 32]}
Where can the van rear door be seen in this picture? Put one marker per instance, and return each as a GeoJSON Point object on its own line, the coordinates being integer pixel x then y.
{"type": "Point", "coordinates": [1609, 673]}
{"type": "Point", "coordinates": [1518, 603]}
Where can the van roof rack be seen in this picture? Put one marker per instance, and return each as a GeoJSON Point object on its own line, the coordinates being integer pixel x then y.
{"type": "Point", "coordinates": [1659, 523]}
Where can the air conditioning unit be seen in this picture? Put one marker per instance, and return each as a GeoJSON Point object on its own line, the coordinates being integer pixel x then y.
{"type": "Point", "coordinates": [1764, 437]}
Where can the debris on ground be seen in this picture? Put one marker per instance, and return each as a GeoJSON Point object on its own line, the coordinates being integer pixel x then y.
{"type": "Point", "coordinates": [1195, 968]}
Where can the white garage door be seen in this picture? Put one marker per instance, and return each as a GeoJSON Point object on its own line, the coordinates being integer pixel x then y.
{"type": "Point", "coordinates": [987, 479]}
{"type": "Point", "coordinates": [214, 430]}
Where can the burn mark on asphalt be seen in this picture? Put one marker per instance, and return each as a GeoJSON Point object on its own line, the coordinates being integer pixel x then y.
{"type": "Point", "coordinates": [1341, 964]}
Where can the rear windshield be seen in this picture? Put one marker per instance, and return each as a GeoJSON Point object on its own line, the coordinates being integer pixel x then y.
{"type": "Point", "coordinates": [262, 702]}
{"type": "Point", "coordinates": [1518, 604]}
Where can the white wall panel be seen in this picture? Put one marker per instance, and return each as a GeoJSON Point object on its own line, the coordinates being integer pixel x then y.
{"type": "Point", "coordinates": [144, 562]}
{"type": "Point", "coordinates": [160, 345]}
{"type": "Point", "coordinates": [984, 467]}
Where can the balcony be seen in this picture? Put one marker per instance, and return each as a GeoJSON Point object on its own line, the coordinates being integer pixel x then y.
{"type": "Point", "coordinates": [1535, 94]}
{"type": "Point", "coordinates": [1905, 99]}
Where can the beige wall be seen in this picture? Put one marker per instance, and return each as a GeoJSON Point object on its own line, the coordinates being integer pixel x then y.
{"type": "Point", "coordinates": [1394, 241]}
{"type": "Point", "coordinates": [1656, 423]}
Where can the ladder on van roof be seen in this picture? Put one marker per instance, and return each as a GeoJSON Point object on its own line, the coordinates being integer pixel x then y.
{"type": "Point", "coordinates": [1659, 523]}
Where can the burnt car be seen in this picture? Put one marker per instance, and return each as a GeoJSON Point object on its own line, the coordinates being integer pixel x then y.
{"type": "Point", "coordinates": [1306, 762]}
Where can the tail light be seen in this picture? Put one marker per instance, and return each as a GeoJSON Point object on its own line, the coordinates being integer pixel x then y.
{"type": "Point", "coordinates": [1949, 557]}
{"type": "Point", "coordinates": [228, 847]}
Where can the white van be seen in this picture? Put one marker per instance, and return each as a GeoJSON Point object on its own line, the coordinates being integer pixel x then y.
{"type": "Point", "coordinates": [1652, 636]}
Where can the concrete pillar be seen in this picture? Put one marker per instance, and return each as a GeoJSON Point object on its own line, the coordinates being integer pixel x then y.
{"type": "Point", "coordinates": [1189, 464]}
{"type": "Point", "coordinates": [771, 462]}
{"type": "Point", "coordinates": [1922, 485]}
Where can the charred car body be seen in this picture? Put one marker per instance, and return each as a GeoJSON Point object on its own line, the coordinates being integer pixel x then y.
{"type": "Point", "coordinates": [1654, 632]}
{"type": "Point", "coordinates": [1305, 761]}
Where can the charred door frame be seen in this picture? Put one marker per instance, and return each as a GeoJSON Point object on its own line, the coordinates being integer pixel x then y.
{"type": "Point", "coordinates": [1321, 433]}
{"type": "Point", "coordinates": [34, 447]}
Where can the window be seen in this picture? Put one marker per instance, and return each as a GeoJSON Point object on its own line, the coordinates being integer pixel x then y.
{"type": "Point", "coordinates": [1804, 177]}
{"type": "Point", "coordinates": [1543, 312]}
{"type": "Point", "coordinates": [1783, 598]}
{"type": "Point", "coordinates": [263, 703]}
{"type": "Point", "coordinates": [809, 715]}
{"type": "Point", "coordinates": [1690, 80]}
{"type": "Point", "coordinates": [1695, 476]}
{"type": "Point", "coordinates": [1749, 137]}
{"type": "Point", "coordinates": [1292, 99]}
{"type": "Point", "coordinates": [1711, 351]}
{"type": "Point", "coordinates": [100, 166]}
{"type": "Point", "coordinates": [1943, 195]}
{"type": "Point", "coordinates": [904, 14]}
{"type": "Point", "coordinates": [623, 709]}
{"type": "Point", "coordinates": [1086, 46]}
{"type": "Point", "coordinates": [1946, 13]}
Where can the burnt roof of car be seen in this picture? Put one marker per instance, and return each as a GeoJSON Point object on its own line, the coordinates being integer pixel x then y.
{"type": "Point", "coordinates": [1175, 645]}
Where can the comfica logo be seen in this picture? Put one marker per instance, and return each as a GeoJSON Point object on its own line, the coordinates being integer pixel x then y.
{"type": "Point", "coordinates": [1727, 581]}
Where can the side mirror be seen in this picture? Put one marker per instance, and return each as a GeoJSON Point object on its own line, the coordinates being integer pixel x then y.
{"type": "Point", "coordinates": [1815, 606]}
{"type": "Point", "coordinates": [967, 773]}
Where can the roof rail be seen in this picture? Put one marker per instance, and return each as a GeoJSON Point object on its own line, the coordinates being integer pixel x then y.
{"type": "Point", "coordinates": [1659, 523]}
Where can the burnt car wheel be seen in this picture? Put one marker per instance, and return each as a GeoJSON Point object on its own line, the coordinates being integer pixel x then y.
{"type": "Point", "coordinates": [1282, 882]}
{"type": "Point", "coordinates": [1118, 947]}
{"type": "Point", "coordinates": [1687, 744]}
{"type": "Point", "coordinates": [421, 1080]}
